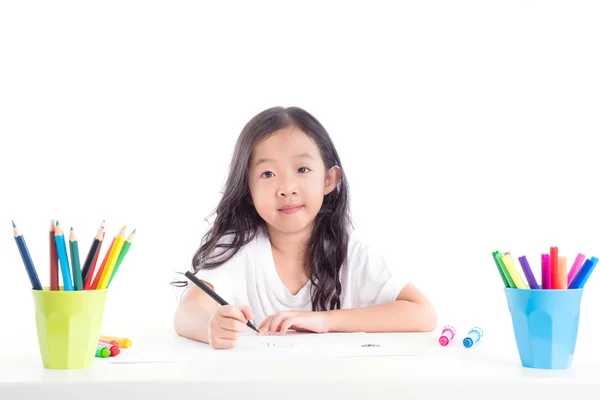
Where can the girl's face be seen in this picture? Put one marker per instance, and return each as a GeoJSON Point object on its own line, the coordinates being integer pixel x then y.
{"type": "Point", "coordinates": [288, 180]}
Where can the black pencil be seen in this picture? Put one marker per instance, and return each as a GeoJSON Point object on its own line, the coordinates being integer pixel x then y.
{"type": "Point", "coordinates": [94, 248]}
{"type": "Point", "coordinates": [212, 294]}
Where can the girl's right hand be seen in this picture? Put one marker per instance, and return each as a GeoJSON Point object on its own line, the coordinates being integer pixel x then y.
{"type": "Point", "coordinates": [226, 324]}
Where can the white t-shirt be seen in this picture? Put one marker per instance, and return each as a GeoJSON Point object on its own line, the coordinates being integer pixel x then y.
{"type": "Point", "coordinates": [249, 278]}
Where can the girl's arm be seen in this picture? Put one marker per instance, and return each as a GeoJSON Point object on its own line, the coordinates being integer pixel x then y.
{"type": "Point", "coordinates": [193, 314]}
{"type": "Point", "coordinates": [411, 312]}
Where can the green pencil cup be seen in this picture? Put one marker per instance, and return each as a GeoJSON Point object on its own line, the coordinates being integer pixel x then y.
{"type": "Point", "coordinates": [68, 326]}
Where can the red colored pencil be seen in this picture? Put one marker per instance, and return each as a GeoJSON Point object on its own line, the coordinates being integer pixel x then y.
{"type": "Point", "coordinates": [101, 269]}
{"type": "Point", "coordinates": [53, 259]}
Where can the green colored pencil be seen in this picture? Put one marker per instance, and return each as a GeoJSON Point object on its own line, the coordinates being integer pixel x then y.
{"type": "Point", "coordinates": [75, 263]}
{"type": "Point", "coordinates": [122, 255]}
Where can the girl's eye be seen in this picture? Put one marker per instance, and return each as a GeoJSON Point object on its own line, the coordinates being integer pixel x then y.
{"type": "Point", "coordinates": [303, 170]}
{"type": "Point", "coordinates": [267, 174]}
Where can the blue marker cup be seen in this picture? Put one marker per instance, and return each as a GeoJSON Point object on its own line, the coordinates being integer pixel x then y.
{"type": "Point", "coordinates": [545, 324]}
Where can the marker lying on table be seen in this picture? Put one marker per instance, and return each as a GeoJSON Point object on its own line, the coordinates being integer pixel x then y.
{"type": "Point", "coordinates": [474, 336]}
{"type": "Point", "coordinates": [447, 335]}
{"type": "Point", "coordinates": [123, 343]}
{"type": "Point", "coordinates": [212, 294]}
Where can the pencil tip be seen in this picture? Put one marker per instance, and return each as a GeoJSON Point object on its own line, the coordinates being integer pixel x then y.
{"type": "Point", "coordinates": [134, 231]}
{"type": "Point", "coordinates": [13, 222]}
{"type": "Point", "coordinates": [56, 222]}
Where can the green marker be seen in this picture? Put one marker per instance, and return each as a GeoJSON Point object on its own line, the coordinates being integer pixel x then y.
{"type": "Point", "coordinates": [102, 352]}
{"type": "Point", "coordinates": [122, 255]}
{"type": "Point", "coordinates": [498, 258]}
{"type": "Point", "coordinates": [500, 269]}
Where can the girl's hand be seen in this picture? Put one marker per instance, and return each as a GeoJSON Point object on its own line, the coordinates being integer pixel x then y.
{"type": "Point", "coordinates": [226, 324]}
{"type": "Point", "coordinates": [302, 321]}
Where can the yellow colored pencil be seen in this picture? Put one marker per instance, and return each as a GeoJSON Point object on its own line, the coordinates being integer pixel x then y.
{"type": "Point", "coordinates": [514, 273]}
{"type": "Point", "coordinates": [112, 259]}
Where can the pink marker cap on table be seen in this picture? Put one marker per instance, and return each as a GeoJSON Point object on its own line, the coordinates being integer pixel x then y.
{"type": "Point", "coordinates": [448, 334]}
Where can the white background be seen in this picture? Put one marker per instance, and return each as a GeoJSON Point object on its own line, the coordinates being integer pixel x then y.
{"type": "Point", "coordinates": [463, 127]}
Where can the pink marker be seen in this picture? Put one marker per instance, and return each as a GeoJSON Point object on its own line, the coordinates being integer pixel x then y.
{"type": "Point", "coordinates": [447, 335]}
{"type": "Point", "coordinates": [576, 267]}
{"type": "Point", "coordinates": [546, 275]}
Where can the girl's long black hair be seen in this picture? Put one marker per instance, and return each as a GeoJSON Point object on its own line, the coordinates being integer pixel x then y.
{"type": "Point", "coordinates": [237, 218]}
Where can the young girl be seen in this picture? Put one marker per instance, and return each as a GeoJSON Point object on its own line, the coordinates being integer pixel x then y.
{"type": "Point", "coordinates": [280, 250]}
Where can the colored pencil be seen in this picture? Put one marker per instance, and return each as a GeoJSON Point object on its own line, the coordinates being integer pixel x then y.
{"type": "Point", "coordinates": [561, 276]}
{"type": "Point", "coordinates": [61, 249]}
{"type": "Point", "coordinates": [90, 273]}
{"type": "Point", "coordinates": [575, 267]}
{"type": "Point", "coordinates": [112, 259]}
{"type": "Point", "coordinates": [94, 285]}
{"type": "Point", "coordinates": [554, 267]}
{"type": "Point", "coordinates": [53, 259]}
{"type": "Point", "coordinates": [87, 264]}
{"type": "Point", "coordinates": [75, 263]}
{"type": "Point", "coordinates": [26, 257]}
{"type": "Point", "coordinates": [584, 273]}
{"type": "Point", "coordinates": [122, 255]}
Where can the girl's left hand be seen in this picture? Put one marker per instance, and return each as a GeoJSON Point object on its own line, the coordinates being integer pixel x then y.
{"type": "Point", "coordinates": [303, 321]}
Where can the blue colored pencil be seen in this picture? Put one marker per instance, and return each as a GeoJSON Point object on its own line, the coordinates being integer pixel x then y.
{"type": "Point", "coordinates": [26, 257]}
{"type": "Point", "coordinates": [584, 273]}
{"type": "Point", "coordinates": [528, 273]}
{"type": "Point", "coordinates": [61, 249]}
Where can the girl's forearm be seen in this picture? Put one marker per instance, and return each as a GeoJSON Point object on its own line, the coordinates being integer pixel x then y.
{"type": "Point", "coordinates": [191, 321]}
{"type": "Point", "coordinates": [397, 316]}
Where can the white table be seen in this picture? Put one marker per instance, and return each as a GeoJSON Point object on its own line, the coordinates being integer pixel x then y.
{"type": "Point", "coordinates": [489, 370]}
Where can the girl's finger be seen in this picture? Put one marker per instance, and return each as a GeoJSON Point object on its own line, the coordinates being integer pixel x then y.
{"type": "Point", "coordinates": [285, 325]}
{"type": "Point", "coordinates": [231, 324]}
{"type": "Point", "coordinates": [233, 312]}
{"type": "Point", "coordinates": [223, 343]}
{"type": "Point", "coordinates": [264, 326]}
{"type": "Point", "coordinates": [276, 322]}
{"type": "Point", "coordinates": [247, 311]}
{"type": "Point", "coordinates": [227, 334]}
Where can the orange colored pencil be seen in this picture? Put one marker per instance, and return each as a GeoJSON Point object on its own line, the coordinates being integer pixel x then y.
{"type": "Point", "coordinates": [102, 266]}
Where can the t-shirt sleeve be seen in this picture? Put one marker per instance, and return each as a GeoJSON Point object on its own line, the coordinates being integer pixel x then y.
{"type": "Point", "coordinates": [373, 281]}
{"type": "Point", "coordinates": [226, 278]}
{"type": "Point", "coordinates": [220, 279]}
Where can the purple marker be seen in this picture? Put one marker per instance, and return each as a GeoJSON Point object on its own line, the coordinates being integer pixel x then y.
{"type": "Point", "coordinates": [528, 274]}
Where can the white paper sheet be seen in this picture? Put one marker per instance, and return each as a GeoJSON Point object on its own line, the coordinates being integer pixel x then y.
{"type": "Point", "coordinates": [250, 347]}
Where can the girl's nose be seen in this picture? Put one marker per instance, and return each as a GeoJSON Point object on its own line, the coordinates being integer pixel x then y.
{"type": "Point", "coordinates": [287, 189]}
